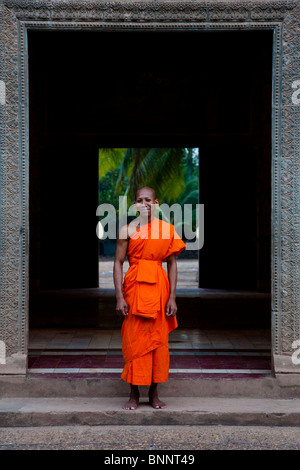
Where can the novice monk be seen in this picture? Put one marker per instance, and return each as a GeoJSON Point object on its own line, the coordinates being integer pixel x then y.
{"type": "Point", "coordinates": [147, 297]}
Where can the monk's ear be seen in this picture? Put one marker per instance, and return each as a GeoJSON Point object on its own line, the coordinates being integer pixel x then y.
{"type": "Point", "coordinates": [156, 201]}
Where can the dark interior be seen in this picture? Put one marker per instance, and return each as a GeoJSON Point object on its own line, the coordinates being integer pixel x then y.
{"type": "Point", "coordinates": [205, 89]}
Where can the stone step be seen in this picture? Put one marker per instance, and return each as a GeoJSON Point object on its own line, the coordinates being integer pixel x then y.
{"type": "Point", "coordinates": [180, 411]}
{"type": "Point", "coordinates": [281, 386]}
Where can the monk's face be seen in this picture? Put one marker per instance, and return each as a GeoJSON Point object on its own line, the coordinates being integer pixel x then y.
{"type": "Point", "coordinates": [145, 203]}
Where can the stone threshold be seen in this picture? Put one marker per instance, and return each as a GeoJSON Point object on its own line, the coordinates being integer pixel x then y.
{"type": "Point", "coordinates": [282, 386]}
{"type": "Point", "coordinates": [180, 411]}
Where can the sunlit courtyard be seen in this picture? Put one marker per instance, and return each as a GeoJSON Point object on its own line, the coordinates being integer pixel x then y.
{"type": "Point", "coordinates": [187, 270]}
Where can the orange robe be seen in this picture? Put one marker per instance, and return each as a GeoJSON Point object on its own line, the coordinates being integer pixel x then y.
{"type": "Point", "coordinates": [145, 331]}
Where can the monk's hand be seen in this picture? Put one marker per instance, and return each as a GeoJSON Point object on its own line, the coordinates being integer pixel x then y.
{"type": "Point", "coordinates": [121, 307]}
{"type": "Point", "coordinates": [171, 308]}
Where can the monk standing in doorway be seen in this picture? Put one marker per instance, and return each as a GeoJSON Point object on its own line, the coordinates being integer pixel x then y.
{"type": "Point", "coordinates": [146, 298]}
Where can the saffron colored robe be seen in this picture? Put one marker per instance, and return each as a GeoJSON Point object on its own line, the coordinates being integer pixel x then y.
{"type": "Point", "coordinates": [146, 328]}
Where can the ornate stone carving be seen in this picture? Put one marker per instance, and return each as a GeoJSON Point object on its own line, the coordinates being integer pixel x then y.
{"type": "Point", "coordinates": [10, 186]}
{"type": "Point", "coordinates": [289, 159]}
{"type": "Point", "coordinates": [19, 15]}
{"type": "Point", "coordinates": [163, 11]}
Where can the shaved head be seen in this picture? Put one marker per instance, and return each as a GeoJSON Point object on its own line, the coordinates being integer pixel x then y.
{"type": "Point", "coordinates": [148, 189]}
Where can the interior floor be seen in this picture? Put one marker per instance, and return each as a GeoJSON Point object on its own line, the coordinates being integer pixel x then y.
{"type": "Point", "coordinates": [227, 353]}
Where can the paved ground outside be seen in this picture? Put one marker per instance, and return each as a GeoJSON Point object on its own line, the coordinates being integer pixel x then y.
{"type": "Point", "coordinates": [187, 272]}
{"type": "Point", "coordinates": [150, 438]}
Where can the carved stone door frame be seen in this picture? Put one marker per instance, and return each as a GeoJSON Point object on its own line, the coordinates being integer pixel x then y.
{"type": "Point", "coordinates": [19, 16]}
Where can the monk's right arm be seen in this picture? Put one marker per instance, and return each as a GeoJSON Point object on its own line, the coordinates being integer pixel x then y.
{"type": "Point", "coordinates": [120, 255]}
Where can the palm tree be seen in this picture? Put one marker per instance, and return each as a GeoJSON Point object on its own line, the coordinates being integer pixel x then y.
{"type": "Point", "coordinates": [161, 168]}
{"type": "Point", "coordinates": [173, 172]}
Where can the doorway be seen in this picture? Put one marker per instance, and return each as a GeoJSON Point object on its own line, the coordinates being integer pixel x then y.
{"type": "Point", "coordinates": [174, 173]}
{"type": "Point", "coordinates": [196, 89]}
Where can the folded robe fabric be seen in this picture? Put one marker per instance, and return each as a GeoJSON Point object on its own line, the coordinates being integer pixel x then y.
{"type": "Point", "coordinates": [146, 292]}
{"type": "Point", "coordinates": [148, 298]}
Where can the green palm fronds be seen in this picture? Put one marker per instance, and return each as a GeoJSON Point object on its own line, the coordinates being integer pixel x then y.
{"type": "Point", "coordinates": [172, 172]}
{"type": "Point", "coordinates": [110, 159]}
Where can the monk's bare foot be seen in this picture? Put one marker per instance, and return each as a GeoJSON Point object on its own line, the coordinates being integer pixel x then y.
{"type": "Point", "coordinates": [133, 401]}
{"type": "Point", "coordinates": [132, 404]}
{"type": "Point", "coordinates": [156, 403]}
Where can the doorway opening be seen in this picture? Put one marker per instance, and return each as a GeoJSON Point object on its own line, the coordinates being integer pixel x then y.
{"type": "Point", "coordinates": [174, 173]}
{"type": "Point", "coordinates": [205, 90]}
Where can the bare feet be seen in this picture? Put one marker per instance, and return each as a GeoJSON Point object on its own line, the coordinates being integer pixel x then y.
{"type": "Point", "coordinates": [156, 403]}
{"type": "Point", "coordinates": [133, 401]}
{"type": "Point", "coordinates": [132, 404]}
